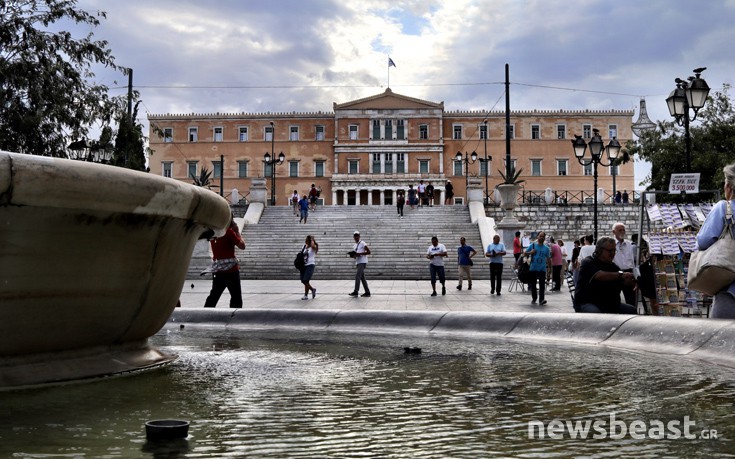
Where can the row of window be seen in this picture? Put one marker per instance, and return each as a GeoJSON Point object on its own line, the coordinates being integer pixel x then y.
{"type": "Point", "coordinates": [382, 163]}
{"type": "Point", "coordinates": [383, 129]}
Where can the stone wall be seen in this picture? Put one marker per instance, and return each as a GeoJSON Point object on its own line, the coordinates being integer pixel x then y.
{"type": "Point", "coordinates": [573, 221]}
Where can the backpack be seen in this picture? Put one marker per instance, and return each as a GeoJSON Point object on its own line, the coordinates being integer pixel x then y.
{"type": "Point", "coordinates": [524, 272]}
{"type": "Point", "coordinates": [300, 261]}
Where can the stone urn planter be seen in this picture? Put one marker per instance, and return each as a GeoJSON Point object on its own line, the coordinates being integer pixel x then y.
{"type": "Point", "coordinates": [508, 196]}
{"type": "Point", "coordinates": [92, 264]}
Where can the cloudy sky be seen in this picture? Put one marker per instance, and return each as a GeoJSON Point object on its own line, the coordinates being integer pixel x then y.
{"type": "Point", "coordinates": [195, 56]}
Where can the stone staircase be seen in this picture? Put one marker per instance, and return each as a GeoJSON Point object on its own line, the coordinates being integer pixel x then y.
{"type": "Point", "coordinates": [397, 244]}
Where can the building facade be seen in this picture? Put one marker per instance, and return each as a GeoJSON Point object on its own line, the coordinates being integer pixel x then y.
{"type": "Point", "coordinates": [365, 150]}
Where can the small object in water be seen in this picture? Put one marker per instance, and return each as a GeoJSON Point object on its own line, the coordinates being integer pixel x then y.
{"type": "Point", "coordinates": [181, 327]}
{"type": "Point", "coordinates": [412, 350]}
{"type": "Point", "coordinates": [192, 285]}
{"type": "Point", "coordinates": [166, 429]}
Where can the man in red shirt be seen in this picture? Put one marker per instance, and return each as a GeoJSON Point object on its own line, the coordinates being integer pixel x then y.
{"type": "Point", "coordinates": [517, 246]}
{"type": "Point", "coordinates": [225, 269]}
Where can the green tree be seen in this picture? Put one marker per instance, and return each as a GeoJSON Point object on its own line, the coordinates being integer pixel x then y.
{"type": "Point", "coordinates": [129, 142]}
{"type": "Point", "coordinates": [713, 146]}
{"type": "Point", "coordinates": [47, 96]}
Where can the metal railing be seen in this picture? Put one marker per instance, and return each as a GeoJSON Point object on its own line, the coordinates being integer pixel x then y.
{"type": "Point", "coordinates": [538, 198]}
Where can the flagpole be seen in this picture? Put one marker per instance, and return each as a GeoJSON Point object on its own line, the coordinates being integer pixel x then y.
{"type": "Point", "coordinates": [389, 74]}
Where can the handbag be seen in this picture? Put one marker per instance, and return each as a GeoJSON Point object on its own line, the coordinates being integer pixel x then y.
{"type": "Point", "coordinates": [713, 270]}
{"type": "Point", "coordinates": [300, 261]}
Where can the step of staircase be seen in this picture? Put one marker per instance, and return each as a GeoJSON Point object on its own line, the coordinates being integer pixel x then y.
{"type": "Point", "coordinates": [397, 244]}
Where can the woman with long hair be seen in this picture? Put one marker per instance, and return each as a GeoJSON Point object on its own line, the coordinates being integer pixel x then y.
{"type": "Point", "coordinates": [309, 251]}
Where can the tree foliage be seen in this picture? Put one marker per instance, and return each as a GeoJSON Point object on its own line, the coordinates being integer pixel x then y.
{"type": "Point", "coordinates": [712, 146]}
{"type": "Point", "coordinates": [47, 93]}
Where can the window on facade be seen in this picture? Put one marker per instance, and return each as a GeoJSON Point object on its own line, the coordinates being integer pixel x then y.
{"type": "Point", "coordinates": [612, 130]}
{"type": "Point", "coordinates": [400, 130]}
{"type": "Point", "coordinates": [389, 163]}
{"type": "Point", "coordinates": [193, 134]}
{"type": "Point", "coordinates": [293, 168]}
{"type": "Point", "coordinates": [483, 131]}
{"type": "Point", "coordinates": [614, 170]}
{"type": "Point", "coordinates": [457, 132]}
{"type": "Point", "coordinates": [561, 131]}
{"type": "Point", "coordinates": [457, 167]}
{"type": "Point", "coordinates": [513, 165]}
{"type": "Point", "coordinates": [267, 169]}
{"type": "Point", "coordinates": [512, 131]}
{"type": "Point", "coordinates": [587, 131]}
{"type": "Point", "coordinates": [166, 169]}
{"type": "Point", "coordinates": [423, 131]}
{"type": "Point", "coordinates": [376, 130]}
{"type": "Point", "coordinates": [242, 134]}
{"type": "Point", "coordinates": [191, 169]}
{"type": "Point", "coordinates": [400, 163]}
{"type": "Point", "coordinates": [535, 131]}
{"type": "Point", "coordinates": [216, 169]}
{"type": "Point", "coordinates": [353, 166]}
{"type": "Point", "coordinates": [561, 167]}
{"type": "Point", "coordinates": [588, 167]}
{"type": "Point", "coordinates": [388, 129]}
{"type": "Point", "coordinates": [320, 133]}
{"type": "Point", "coordinates": [484, 169]}
{"type": "Point", "coordinates": [376, 163]}
{"type": "Point", "coordinates": [293, 133]}
{"type": "Point", "coordinates": [353, 131]}
{"type": "Point", "coordinates": [319, 168]}
{"type": "Point", "coordinates": [218, 134]}
{"type": "Point", "coordinates": [168, 135]}
{"type": "Point", "coordinates": [268, 133]}
{"type": "Point", "coordinates": [536, 167]}
{"type": "Point", "coordinates": [424, 166]}
{"type": "Point", "coordinates": [242, 169]}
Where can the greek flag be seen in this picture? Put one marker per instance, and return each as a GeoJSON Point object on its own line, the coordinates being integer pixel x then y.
{"type": "Point", "coordinates": [391, 63]}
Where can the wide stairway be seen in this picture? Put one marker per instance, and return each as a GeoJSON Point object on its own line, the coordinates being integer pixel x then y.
{"type": "Point", "coordinates": [398, 245]}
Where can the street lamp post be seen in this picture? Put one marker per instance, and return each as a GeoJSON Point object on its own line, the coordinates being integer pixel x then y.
{"type": "Point", "coordinates": [487, 165]}
{"type": "Point", "coordinates": [467, 160]}
{"type": "Point", "coordinates": [688, 94]}
{"type": "Point", "coordinates": [273, 163]}
{"type": "Point", "coordinates": [596, 147]}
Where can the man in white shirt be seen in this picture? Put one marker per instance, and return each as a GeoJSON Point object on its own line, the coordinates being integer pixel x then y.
{"type": "Point", "coordinates": [360, 254]}
{"type": "Point", "coordinates": [624, 258]}
{"type": "Point", "coordinates": [435, 254]}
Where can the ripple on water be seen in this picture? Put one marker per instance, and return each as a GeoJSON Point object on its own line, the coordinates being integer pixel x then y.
{"type": "Point", "coordinates": [323, 395]}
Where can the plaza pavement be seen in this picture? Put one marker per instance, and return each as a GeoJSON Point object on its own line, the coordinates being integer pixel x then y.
{"type": "Point", "coordinates": [398, 295]}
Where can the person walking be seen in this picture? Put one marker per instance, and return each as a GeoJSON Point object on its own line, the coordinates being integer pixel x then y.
{"type": "Point", "coordinates": [360, 254]}
{"type": "Point", "coordinates": [295, 202]}
{"type": "Point", "coordinates": [495, 253]}
{"type": "Point", "coordinates": [449, 188]}
{"type": "Point", "coordinates": [723, 303]}
{"type": "Point", "coordinates": [430, 194]}
{"type": "Point", "coordinates": [625, 258]}
{"type": "Point", "coordinates": [557, 261]}
{"type": "Point", "coordinates": [517, 246]}
{"type": "Point", "coordinates": [225, 268]}
{"type": "Point", "coordinates": [464, 261]}
{"type": "Point", "coordinates": [313, 195]}
{"type": "Point", "coordinates": [422, 193]}
{"type": "Point", "coordinates": [400, 202]}
{"type": "Point", "coordinates": [540, 255]}
{"type": "Point", "coordinates": [411, 196]}
{"type": "Point", "coordinates": [309, 253]}
{"type": "Point", "coordinates": [435, 254]}
{"type": "Point", "coordinates": [304, 208]}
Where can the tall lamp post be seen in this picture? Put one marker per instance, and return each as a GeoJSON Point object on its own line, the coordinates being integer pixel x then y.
{"type": "Point", "coordinates": [273, 163]}
{"type": "Point", "coordinates": [596, 147]}
{"type": "Point", "coordinates": [690, 94]}
{"type": "Point", "coordinates": [487, 165]}
{"type": "Point", "coordinates": [467, 160]}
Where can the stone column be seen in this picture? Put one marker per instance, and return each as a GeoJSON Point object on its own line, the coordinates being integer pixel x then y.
{"type": "Point", "coordinates": [334, 196]}
{"type": "Point", "coordinates": [357, 196]}
{"type": "Point", "coordinates": [370, 196]}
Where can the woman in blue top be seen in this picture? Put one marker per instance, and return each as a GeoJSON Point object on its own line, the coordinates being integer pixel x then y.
{"type": "Point", "coordinates": [723, 306]}
{"type": "Point", "coordinates": [540, 256]}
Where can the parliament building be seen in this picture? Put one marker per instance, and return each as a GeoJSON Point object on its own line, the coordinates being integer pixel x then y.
{"type": "Point", "coordinates": [364, 150]}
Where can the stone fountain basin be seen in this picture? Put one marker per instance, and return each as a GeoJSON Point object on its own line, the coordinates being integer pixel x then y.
{"type": "Point", "coordinates": [92, 257]}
